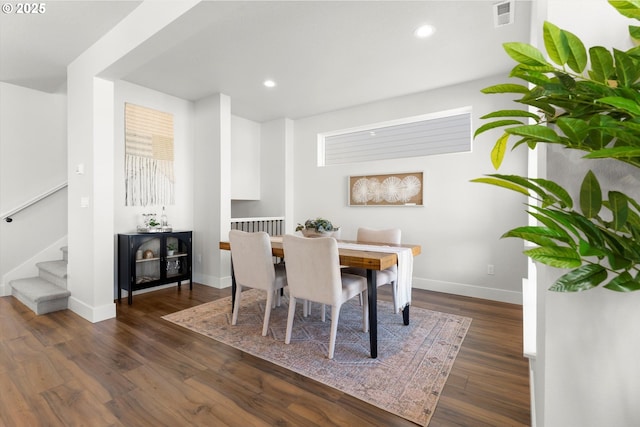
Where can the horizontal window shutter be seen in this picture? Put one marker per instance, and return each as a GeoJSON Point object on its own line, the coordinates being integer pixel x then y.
{"type": "Point", "coordinates": [413, 138]}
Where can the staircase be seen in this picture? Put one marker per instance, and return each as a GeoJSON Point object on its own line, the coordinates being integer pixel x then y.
{"type": "Point", "coordinates": [48, 291]}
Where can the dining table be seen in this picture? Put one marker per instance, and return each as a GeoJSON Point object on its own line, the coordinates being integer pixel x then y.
{"type": "Point", "coordinates": [371, 261]}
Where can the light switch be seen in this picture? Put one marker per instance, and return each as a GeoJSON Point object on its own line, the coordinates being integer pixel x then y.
{"type": "Point", "coordinates": [80, 169]}
{"type": "Point", "coordinates": [84, 202]}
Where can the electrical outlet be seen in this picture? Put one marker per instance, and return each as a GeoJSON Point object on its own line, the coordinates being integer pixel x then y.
{"type": "Point", "coordinates": [490, 269]}
{"type": "Point", "coordinates": [199, 258]}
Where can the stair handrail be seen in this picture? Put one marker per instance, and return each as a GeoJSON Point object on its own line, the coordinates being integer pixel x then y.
{"type": "Point", "coordinates": [6, 216]}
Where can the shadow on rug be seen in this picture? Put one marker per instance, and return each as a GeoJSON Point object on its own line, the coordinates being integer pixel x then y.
{"type": "Point", "coordinates": [406, 379]}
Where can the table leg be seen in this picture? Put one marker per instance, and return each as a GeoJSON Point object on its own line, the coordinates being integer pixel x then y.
{"type": "Point", "coordinates": [372, 291]}
{"type": "Point", "coordinates": [405, 315]}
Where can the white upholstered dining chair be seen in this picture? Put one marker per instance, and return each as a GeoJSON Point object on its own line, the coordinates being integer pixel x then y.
{"type": "Point", "coordinates": [314, 275]}
{"type": "Point", "coordinates": [391, 236]}
{"type": "Point", "coordinates": [253, 268]}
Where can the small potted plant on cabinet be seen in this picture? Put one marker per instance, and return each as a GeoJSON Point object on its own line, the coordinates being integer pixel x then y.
{"type": "Point", "coordinates": [171, 249]}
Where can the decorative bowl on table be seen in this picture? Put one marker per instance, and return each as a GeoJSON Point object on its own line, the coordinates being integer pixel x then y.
{"type": "Point", "coordinates": [318, 227]}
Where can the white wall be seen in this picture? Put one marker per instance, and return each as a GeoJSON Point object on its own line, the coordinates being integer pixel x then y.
{"type": "Point", "coordinates": [245, 159]}
{"type": "Point", "coordinates": [272, 142]}
{"type": "Point", "coordinates": [212, 206]}
{"type": "Point", "coordinates": [180, 214]}
{"type": "Point", "coordinates": [460, 225]}
{"type": "Point", "coordinates": [33, 159]}
{"type": "Point", "coordinates": [587, 369]}
{"type": "Point", "coordinates": [91, 141]}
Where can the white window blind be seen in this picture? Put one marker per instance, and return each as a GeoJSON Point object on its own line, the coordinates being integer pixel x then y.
{"type": "Point", "coordinates": [440, 133]}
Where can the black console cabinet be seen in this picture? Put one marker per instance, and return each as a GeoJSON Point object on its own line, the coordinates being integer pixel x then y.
{"type": "Point", "coordinates": [152, 259]}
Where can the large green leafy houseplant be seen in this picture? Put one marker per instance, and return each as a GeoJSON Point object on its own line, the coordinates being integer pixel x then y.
{"type": "Point", "coordinates": [595, 109]}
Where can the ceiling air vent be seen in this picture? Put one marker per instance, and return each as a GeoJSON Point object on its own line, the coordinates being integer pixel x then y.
{"type": "Point", "coordinates": [503, 13]}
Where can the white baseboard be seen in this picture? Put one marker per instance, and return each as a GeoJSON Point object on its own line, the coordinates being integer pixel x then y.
{"type": "Point", "coordinates": [492, 294]}
{"type": "Point", "coordinates": [511, 297]}
{"type": "Point", "coordinates": [212, 281]}
{"type": "Point", "coordinates": [92, 314]}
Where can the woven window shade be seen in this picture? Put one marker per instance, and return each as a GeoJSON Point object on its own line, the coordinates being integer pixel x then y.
{"type": "Point", "coordinates": [415, 137]}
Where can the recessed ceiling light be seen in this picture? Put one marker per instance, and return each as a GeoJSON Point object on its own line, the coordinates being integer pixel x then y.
{"type": "Point", "coordinates": [424, 31]}
{"type": "Point", "coordinates": [269, 83]}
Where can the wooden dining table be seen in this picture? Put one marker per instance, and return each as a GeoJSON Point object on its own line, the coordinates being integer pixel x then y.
{"type": "Point", "coordinates": [372, 261]}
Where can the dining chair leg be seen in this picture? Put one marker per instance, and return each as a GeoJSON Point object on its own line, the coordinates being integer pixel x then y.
{"type": "Point", "coordinates": [292, 310]}
{"type": "Point", "coordinates": [236, 306]}
{"type": "Point", "coordinates": [365, 311]}
{"type": "Point", "coordinates": [394, 292]}
{"type": "Point", "coordinates": [267, 313]}
{"type": "Point", "coordinates": [306, 308]}
{"type": "Point", "coordinates": [335, 312]}
{"type": "Point", "coordinates": [278, 298]}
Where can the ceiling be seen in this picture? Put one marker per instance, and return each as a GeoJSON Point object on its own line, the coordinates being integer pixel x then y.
{"type": "Point", "coordinates": [323, 55]}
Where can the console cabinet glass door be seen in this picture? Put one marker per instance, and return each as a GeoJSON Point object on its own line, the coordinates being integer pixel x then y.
{"type": "Point", "coordinates": [147, 250]}
{"type": "Point", "coordinates": [152, 259]}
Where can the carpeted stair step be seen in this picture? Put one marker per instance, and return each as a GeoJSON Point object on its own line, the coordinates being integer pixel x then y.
{"type": "Point", "coordinates": [40, 295]}
{"type": "Point", "coordinates": [54, 271]}
{"type": "Point", "coordinates": [65, 253]}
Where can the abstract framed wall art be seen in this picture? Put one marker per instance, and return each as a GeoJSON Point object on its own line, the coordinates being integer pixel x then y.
{"type": "Point", "coordinates": [399, 189]}
{"type": "Point", "coordinates": [149, 175]}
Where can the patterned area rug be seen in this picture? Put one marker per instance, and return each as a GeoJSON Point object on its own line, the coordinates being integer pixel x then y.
{"type": "Point", "coordinates": [406, 379]}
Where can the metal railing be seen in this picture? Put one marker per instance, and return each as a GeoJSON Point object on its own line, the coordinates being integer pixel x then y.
{"type": "Point", "coordinates": [272, 225]}
{"type": "Point", "coordinates": [6, 216]}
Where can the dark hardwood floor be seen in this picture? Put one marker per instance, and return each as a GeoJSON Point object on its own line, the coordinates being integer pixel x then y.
{"type": "Point", "coordinates": [139, 370]}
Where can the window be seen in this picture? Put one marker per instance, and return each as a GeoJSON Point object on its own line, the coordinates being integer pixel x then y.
{"type": "Point", "coordinates": [426, 135]}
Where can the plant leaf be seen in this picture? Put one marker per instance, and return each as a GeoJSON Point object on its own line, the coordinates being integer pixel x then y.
{"type": "Point", "coordinates": [511, 113]}
{"type": "Point", "coordinates": [601, 64]}
{"type": "Point", "coordinates": [627, 69]}
{"type": "Point", "coordinates": [585, 249]}
{"type": "Point", "coordinates": [536, 132]}
{"type": "Point", "coordinates": [542, 236]}
{"type": "Point", "coordinates": [634, 32]}
{"type": "Point", "coordinates": [556, 190]}
{"type": "Point", "coordinates": [622, 104]}
{"type": "Point", "coordinates": [574, 129]}
{"type": "Point", "coordinates": [590, 196]}
{"type": "Point", "coordinates": [577, 59]}
{"type": "Point", "coordinates": [555, 43]}
{"type": "Point", "coordinates": [581, 279]}
{"type": "Point", "coordinates": [630, 9]}
{"type": "Point", "coordinates": [499, 150]}
{"type": "Point", "coordinates": [526, 54]}
{"type": "Point", "coordinates": [555, 256]}
{"type": "Point", "coordinates": [503, 184]}
{"type": "Point", "coordinates": [498, 123]}
{"type": "Point", "coordinates": [614, 153]}
{"type": "Point", "coordinates": [619, 208]}
{"type": "Point", "coordinates": [623, 283]}
{"type": "Point", "coordinates": [550, 223]}
{"type": "Point", "coordinates": [506, 88]}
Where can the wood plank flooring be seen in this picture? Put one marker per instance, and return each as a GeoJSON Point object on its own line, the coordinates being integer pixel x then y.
{"type": "Point", "coordinates": [139, 370]}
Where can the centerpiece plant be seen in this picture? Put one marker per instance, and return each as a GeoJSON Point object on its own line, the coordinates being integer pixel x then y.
{"type": "Point", "coordinates": [587, 100]}
{"type": "Point", "coordinates": [317, 226]}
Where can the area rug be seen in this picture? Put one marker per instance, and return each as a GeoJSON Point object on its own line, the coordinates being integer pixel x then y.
{"type": "Point", "coordinates": [406, 379]}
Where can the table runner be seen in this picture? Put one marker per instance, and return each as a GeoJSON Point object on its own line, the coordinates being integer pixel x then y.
{"type": "Point", "coordinates": [402, 289]}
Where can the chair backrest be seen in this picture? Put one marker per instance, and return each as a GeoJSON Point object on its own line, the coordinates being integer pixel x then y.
{"type": "Point", "coordinates": [313, 268]}
{"type": "Point", "coordinates": [391, 236]}
{"type": "Point", "coordinates": [252, 259]}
